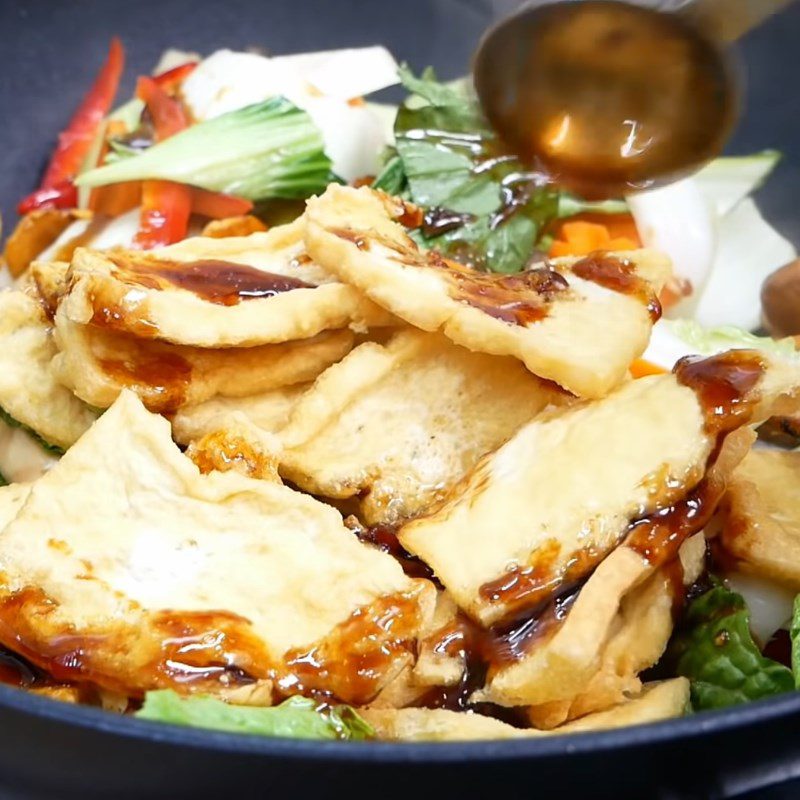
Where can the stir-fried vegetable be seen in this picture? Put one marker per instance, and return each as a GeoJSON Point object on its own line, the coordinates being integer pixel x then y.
{"type": "Point", "coordinates": [297, 717]}
{"type": "Point", "coordinates": [57, 189]}
{"type": "Point", "coordinates": [166, 206]}
{"type": "Point", "coordinates": [271, 149]}
{"type": "Point", "coordinates": [714, 648]}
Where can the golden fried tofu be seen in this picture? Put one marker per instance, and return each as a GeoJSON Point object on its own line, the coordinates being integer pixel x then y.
{"type": "Point", "coordinates": [657, 701]}
{"type": "Point", "coordinates": [579, 324]}
{"type": "Point", "coordinates": [761, 529]}
{"type": "Point", "coordinates": [97, 364]}
{"type": "Point", "coordinates": [268, 411]}
{"type": "Point", "coordinates": [551, 503]}
{"type": "Point", "coordinates": [399, 424]}
{"type": "Point", "coordinates": [208, 292]}
{"type": "Point", "coordinates": [635, 640]}
{"type": "Point", "coordinates": [29, 389]}
{"type": "Point", "coordinates": [239, 446]}
{"type": "Point", "coordinates": [129, 569]}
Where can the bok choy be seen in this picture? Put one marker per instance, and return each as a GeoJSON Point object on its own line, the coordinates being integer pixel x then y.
{"type": "Point", "coordinates": [266, 150]}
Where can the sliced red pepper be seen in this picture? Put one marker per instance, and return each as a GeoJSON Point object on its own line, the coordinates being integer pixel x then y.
{"type": "Point", "coordinates": [74, 142]}
{"type": "Point", "coordinates": [171, 79]}
{"type": "Point", "coordinates": [166, 205]}
{"type": "Point", "coordinates": [219, 206]}
{"type": "Point", "coordinates": [164, 218]}
{"type": "Point", "coordinates": [62, 195]}
{"type": "Point", "coordinates": [169, 115]}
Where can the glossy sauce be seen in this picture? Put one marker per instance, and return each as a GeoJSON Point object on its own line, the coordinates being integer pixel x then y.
{"type": "Point", "coordinates": [485, 651]}
{"type": "Point", "coordinates": [606, 96]}
{"type": "Point", "coordinates": [198, 648]}
{"type": "Point", "coordinates": [618, 276]}
{"type": "Point", "coordinates": [384, 537]}
{"type": "Point", "coordinates": [724, 386]}
{"type": "Point", "coordinates": [220, 282]}
{"type": "Point", "coordinates": [165, 376]}
{"type": "Point", "coordinates": [207, 647]}
{"type": "Point", "coordinates": [525, 589]}
{"type": "Point", "coordinates": [353, 662]}
{"type": "Point", "coordinates": [519, 299]}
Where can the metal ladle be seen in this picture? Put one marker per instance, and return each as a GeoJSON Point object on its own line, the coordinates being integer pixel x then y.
{"type": "Point", "coordinates": [609, 97]}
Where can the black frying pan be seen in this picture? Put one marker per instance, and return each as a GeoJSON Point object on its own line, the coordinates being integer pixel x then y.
{"type": "Point", "coordinates": [50, 50]}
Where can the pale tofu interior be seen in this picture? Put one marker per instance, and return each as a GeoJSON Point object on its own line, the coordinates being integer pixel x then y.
{"type": "Point", "coordinates": [403, 422]}
{"type": "Point", "coordinates": [29, 390]}
{"type": "Point", "coordinates": [761, 529]}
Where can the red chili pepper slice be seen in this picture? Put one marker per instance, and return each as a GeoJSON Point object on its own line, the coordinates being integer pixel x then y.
{"type": "Point", "coordinates": [62, 195]}
{"type": "Point", "coordinates": [166, 206]}
{"type": "Point", "coordinates": [171, 79]}
{"type": "Point", "coordinates": [169, 115]}
{"type": "Point", "coordinates": [74, 142]}
{"type": "Point", "coordinates": [164, 219]}
{"type": "Point", "coordinates": [219, 206]}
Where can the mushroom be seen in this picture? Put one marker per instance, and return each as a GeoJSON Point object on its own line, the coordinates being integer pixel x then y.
{"type": "Point", "coordinates": [780, 301]}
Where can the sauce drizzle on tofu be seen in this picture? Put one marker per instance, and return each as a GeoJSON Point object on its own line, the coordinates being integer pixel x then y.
{"type": "Point", "coordinates": [619, 276]}
{"type": "Point", "coordinates": [220, 282]}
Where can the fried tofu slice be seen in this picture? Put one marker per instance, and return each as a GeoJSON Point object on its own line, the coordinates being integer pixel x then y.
{"type": "Point", "coordinates": [542, 511]}
{"type": "Point", "coordinates": [560, 665]}
{"type": "Point", "coordinates": [238, 446]}
{"type": "Point", "coordinates": [399, 424]}
{"type": "Point", "coordinates": [579, 324]}
{"type": "Point", "coordinates": [29, 390]}
{"type": "Point", "coordinates": [208, 292]}
{"type": "Point", "coordinates": [657, 701]}
{"type": "Point", "coordinates": [97, 364]}
{"type": "Point", "coordinates": [268, 411]}
{"type": "Point", "coordinates": [129, 569]}
{"type": "Point", "coordinates": [636, 639]}
{"type": "Point", "coordinates": [761, 519]}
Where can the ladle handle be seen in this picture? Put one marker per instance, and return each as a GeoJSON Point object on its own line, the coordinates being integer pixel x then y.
{"type": "Point", "coordinates": [723, 20]}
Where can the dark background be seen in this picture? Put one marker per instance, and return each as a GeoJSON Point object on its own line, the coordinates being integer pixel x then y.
{"type": "Point", "coordinates": [51, 49]}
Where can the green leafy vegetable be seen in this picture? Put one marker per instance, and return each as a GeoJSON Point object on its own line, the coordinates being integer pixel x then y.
{"type": "Point", "coordinates": [714, 649]}
{"type": "Point", "coordinates": [392, 178]}
{"type": "Point", "coordinates": [3, 480]}
{"type": "Point", "coordinates": [707, 341]}
{"type": "Point", "coordinates": [569, 205]}
{"type": "Point", "coordinates": [295, 718]}
{"type": "Point", "coordinates": [794, 635]}
{"type": "Point", "coordinates": [270, 149]}
{"type": "Point", "coordinates": [13, 423]}
{"type": "Point", "coordinates": [483, 206]}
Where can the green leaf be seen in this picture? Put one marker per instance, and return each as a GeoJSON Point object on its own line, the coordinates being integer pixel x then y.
{"type": "Point", "coordinates": [430, 90]}
{"type": "Point", "coordinates": [794, 635]}
{"type": "Point", "coordinates": [707, 341]}
{"type": "Point", "coordinates": [13, 423]}
{"type": "Point", "coordinates": [714, 649]}
{"type": "Point", "coordinates": [569, 205]}
{"type": "Point", "coordinates": [454, 164]}
{"type": "Point", "coordinates": [295, 718]}
{"type": "Point", "coordinates": [392, 178]}
{"type": "Point", "coordinates": [3, 480]}
{"type": "Point", "coordinates": [270, 149]}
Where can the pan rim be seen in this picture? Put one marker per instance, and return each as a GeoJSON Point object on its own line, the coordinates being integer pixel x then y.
{"type": "Point", "coordinates": [589, 743]}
